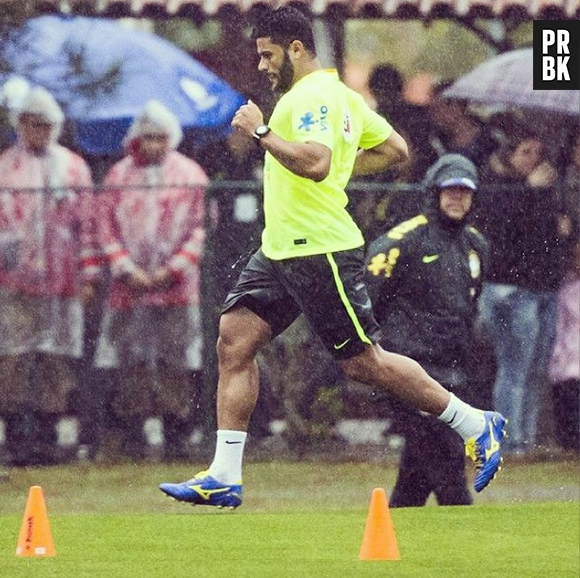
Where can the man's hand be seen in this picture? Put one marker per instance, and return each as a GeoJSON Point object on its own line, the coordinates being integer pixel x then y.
{"type": "Point", "coordinates": [247, 118]}
{"type": "Point", "coordinates": [162, 279]}
{"type": "Point", "coordinates": [544, 175]}
{"type": "Point", "coordinates": [88, 292]}
{"type": "Point", "coordinates": [138, 280]}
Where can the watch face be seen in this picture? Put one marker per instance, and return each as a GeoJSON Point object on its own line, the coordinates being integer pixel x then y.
{"type": "Point", "coordinates": [262, 130]}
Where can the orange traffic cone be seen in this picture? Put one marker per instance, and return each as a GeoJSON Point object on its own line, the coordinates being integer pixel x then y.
{"type": "Point", "coordinates": [35, 538]}
{"type": "Point", "coordinates": [379, 540]}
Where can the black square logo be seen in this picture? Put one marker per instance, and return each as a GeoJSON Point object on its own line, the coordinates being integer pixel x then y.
{"type": "Point", "coordinates": [556, 54]}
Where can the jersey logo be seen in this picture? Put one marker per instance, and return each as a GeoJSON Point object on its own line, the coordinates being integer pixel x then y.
{"type": "Point", "coordinates": [384, 264]}
{"type": "Point", "coordinates": [307, 121]}
{"type": "Point", "coordinates": [429, 258]}
{"type": "Point", "coordinates": [347, 127]}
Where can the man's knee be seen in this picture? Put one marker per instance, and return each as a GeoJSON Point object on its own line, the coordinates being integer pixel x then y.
{"type": "Point", "coordinates": [231, 351]}
{"type": "Point", "coordinates": [241, 335]}
{"type": "Point", "coordinates": [374, 366]}
{"type": "Point", "coordinates": [362, 367]}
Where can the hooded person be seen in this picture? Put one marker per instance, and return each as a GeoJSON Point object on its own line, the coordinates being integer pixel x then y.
{"type": "Point", "coordinates": [452, 171]}
{"type": "Point", "coordinates": [47, 261]}
{"type": "Point", "coordinates": [424, 277]}
{"type": "Point", "coordinates": [155, 123]}
{"type": "Point", "coordinates": [152, 232]}
{"type": "Point", "coordinates": [40, 108]}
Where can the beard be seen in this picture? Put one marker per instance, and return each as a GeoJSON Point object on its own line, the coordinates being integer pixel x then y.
{"type": "Point", "coordinates": [285, 76]}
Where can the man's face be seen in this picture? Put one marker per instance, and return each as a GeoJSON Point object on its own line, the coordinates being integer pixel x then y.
{"type": "Point", "coordinates": [153, 147]}
{"type": "Point", "coordinates": [527, 156]}
{"type": "Point", "coordinates": [275, 64]}
{"type": "Point", "coordinates": [35, 132]}
{"type": "Point", "coordinates": [455, 202]}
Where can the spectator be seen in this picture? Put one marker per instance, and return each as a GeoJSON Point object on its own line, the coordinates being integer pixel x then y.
{"type": "Point", "coordinates": [570, 188]}
{"type": "Point", "coordinates": [46, 262]}
{"type": "Point", "coordinates": [425, 301]}
{"type": "Point", "coordinates": [519, 217]}
{"type": "Point", "coordinates": [564, 369]}
{"type": "Point", "coordinates": [377, 211]}
{"type": "Point", "coordinates": [151, 216]}
{"type": "Point", "coordinates": [386, 85]}
{"type": "Point", "coordinates": [458, 130]}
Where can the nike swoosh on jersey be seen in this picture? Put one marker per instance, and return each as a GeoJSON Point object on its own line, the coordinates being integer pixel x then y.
{"type": "Point", "coordinates": [429, 258]}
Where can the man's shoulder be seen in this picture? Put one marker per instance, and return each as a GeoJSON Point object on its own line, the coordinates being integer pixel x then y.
{"type": "Point", "coordinates": [476, 236]}
{"type": "Point", "coordinates": [7, 151]}
{"type": "Point", "coordinates": [77, 157]}
{"type": "Point", "coordinates": [408, 228]}
{"type": "Point", "coordinates": [179, 159]}
{"type": "Point", "coordinates": [399, 236]}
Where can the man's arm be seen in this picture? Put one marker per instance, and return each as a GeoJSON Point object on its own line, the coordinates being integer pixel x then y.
{"type": "Point", "coordinates": [309, 159]}
{"type": "Point", "coordinates": [382, 276]}
{"type": "Point", "coordinates": [305, 159]}
{"type": "Point", "coordinates": [382, 157]}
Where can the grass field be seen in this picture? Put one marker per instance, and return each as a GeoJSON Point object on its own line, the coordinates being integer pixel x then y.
{"type": "Point", "coordinates": [299, 520]}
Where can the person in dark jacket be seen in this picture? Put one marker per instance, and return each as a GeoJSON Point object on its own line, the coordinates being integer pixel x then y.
{"type": "Point", "coordinates": [519, 216]}
{"type": "Point", "coordinates": [425, 276]}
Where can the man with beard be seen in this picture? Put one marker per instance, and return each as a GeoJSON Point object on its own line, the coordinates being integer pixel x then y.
{"type": "Point", "coordinates": [425, 300]}
{"type": "Point", "coordinates": [312, 258]}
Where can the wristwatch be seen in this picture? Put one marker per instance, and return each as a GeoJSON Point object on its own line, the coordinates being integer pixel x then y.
{"type": "Point", "coordinates": [261, 131]}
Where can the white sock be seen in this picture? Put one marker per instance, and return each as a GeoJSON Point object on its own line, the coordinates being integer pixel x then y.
{"type": "Point", "coordinates": [229, 451]}
{"type": "Point", "coordinates": [466, 420]}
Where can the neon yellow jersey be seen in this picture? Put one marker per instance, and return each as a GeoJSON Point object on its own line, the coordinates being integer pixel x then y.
{"type": "Point", "coordinates": [304, 217]}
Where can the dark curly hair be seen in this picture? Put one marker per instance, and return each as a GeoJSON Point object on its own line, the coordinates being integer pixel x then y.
{"type": "Point", "coordinates": [285, 25]}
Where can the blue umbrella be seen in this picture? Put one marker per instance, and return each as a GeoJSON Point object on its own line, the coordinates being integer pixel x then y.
{"type": "Point", "coordinates": [103, 73]}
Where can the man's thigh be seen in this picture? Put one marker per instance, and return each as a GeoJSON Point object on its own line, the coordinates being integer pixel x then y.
{"type": "Point", "coordinates": [330, 291]}
{"type": "Point", "coordinates": [262, 291]}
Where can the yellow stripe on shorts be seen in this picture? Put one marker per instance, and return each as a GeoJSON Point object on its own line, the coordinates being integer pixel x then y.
{"type": "Point", "coordinates": [344, 298]}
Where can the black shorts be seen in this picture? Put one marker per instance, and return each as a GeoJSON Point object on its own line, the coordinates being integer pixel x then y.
{"type": "Point", "coordinates": [327, 288]}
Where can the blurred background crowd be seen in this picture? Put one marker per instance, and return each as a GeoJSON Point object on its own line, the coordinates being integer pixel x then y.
{"type": "Point", "coordinates": [113, 266]}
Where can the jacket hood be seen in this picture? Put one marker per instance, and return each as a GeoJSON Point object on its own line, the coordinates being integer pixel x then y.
{"type": "Point", "coordinates": [449, 170]}
{"type": "Point", "coordinates": [452, 169]}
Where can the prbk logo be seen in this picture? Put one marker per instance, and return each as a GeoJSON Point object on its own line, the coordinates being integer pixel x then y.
{"type": "Point", "coordinates": [556, 55]}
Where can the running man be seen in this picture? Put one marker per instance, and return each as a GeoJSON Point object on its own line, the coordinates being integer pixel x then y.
{"type": "Point", "coordinates": [312, 259]}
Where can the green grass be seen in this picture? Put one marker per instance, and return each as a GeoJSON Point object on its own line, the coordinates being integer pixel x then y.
{"type": "Point", "coordinates": [298, 520]}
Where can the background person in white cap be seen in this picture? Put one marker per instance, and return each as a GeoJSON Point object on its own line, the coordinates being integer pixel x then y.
{"type": "Point", "coordinates": [47, 259]}
{"type": "Point", "coordinates": [151, 222]}
{"type": "Point", "coordinates": [425, 301]}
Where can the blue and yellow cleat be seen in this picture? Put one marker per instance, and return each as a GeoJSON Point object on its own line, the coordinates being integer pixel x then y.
{"type": "Point", "coordinates": [205, 490]}
{"type": "Point", "coordinates": [485, 450]}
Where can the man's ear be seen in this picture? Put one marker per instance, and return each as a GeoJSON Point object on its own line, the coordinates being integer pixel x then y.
{"type": "Point", "coordinates": [296, 49]}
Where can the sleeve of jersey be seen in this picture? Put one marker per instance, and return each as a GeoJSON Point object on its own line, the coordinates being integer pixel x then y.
{"type": "Point", "coordinates": [313, 121]}
{"type": "Point", "coordinates": [376, 129]}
